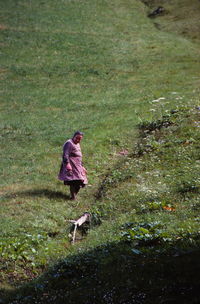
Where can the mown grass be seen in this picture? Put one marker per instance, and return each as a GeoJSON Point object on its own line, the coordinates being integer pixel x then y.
{"type": "Point", "coordinates": [102, 67]}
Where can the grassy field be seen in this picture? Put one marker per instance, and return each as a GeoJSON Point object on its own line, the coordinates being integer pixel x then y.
{"type": "Point", "coordinates": [131, 84]}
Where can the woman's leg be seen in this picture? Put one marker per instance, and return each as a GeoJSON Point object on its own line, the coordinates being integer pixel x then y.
{"type": "Point", "coordinates": [77, 187]}
{"type": "Point", "coordinates": [74, 189]}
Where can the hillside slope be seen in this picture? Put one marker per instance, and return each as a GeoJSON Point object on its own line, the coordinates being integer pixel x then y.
{"type": "Point", "coordinates": [102, 67]}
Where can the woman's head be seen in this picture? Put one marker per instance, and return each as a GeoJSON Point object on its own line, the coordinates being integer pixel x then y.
{"type": "Point", "coordinates": [77, 137]}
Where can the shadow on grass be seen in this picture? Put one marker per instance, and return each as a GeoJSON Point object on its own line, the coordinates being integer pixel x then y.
{"type": "Point", "coordinates": [40, 193]}
{"type": "Point", "coordinates": [115, 274]}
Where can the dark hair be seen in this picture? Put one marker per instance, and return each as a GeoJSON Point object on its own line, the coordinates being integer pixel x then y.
{"type": "Point", "coordinates": [78, 133]}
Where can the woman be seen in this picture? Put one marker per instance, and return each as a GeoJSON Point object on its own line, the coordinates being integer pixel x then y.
{"type": "Point", "coordinates": [72, 172]}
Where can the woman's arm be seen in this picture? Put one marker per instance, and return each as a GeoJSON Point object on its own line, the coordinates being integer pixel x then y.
{"type": "Point", "coordinates": [66, 155]}
{"type": "Point", "coordinates": [84, 171]}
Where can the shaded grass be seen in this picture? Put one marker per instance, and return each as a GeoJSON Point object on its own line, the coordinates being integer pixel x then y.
{"type": "Point", "coordinates": [180, 17]}
{"type": "Point", "coordinates": [137, 282]}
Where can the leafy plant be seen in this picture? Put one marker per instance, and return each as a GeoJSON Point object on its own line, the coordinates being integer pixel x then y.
{"type": "Point", "coordinates": [156, 206]}
{"type": "Point", "coordinates": [144, 233]}
{"type": "Point", "coordinates": [24, 248]}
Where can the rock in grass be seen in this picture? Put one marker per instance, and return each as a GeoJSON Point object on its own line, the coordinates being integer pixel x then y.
{"type": "Point", "coordinates": [158, 11]}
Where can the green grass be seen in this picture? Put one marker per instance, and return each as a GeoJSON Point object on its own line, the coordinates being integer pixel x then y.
{"type": "Point", "coordinates": [104, 68]}
{"type": "Point", "coordinates": [180, 17]}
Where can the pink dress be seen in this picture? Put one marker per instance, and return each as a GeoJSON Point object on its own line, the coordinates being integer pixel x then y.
{"type": "Point", "coordinates": [72, 154]}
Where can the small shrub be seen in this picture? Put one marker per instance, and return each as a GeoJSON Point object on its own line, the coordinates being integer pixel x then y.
{"type": "Point", "coordinates": [147, 127]}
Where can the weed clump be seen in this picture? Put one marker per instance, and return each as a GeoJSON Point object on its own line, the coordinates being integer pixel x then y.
{"type": "Point", "coordinates": [146, 127]}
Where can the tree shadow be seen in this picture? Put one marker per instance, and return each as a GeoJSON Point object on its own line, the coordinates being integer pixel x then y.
{"type": "Point", "coordinates": [113, 274]}
{"type": "Point", "coordinates": [50, 194]}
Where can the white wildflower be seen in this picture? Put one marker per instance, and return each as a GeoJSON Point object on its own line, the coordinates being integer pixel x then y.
{"type": "Point", "coordinates": [157, 100]}
{"type": "Point", "coordinates": [179, 97]}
